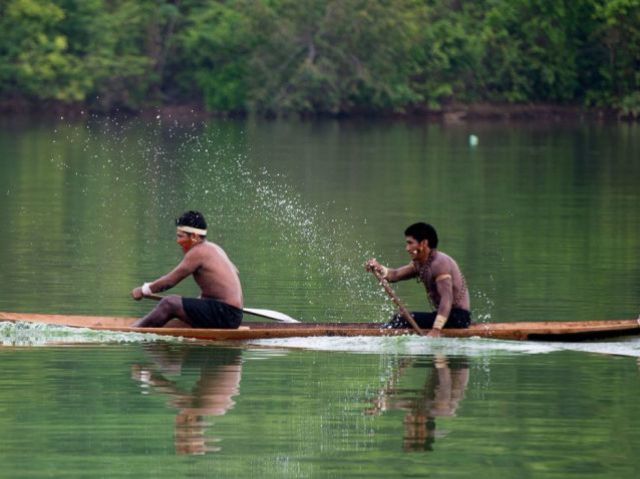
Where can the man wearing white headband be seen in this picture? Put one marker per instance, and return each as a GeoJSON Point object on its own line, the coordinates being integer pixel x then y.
{"type": "Point", "coordinates": [220, 303]}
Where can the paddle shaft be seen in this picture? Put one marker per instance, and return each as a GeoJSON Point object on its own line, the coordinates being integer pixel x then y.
{"type": "Point", "coordinates": [403, 311]}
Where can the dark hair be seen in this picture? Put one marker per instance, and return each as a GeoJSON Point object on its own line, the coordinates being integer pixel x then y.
{"type": "Point", "coordinates": [193, 219]}
{"type": "Point", "coordinates": [423, 231]}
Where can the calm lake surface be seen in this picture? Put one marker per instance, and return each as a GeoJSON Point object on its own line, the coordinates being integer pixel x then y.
{"type": "Point", "coordinates": [543, 219]}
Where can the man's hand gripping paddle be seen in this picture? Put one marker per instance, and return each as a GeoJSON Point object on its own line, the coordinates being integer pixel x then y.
{"type": "Point", "coordinates": [403, 311]}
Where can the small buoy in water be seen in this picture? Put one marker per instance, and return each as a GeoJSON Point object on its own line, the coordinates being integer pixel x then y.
{"type": "Point", "coordinates": [473, 140]}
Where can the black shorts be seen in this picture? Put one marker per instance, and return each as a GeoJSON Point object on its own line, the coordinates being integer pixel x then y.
{"type": "Point", "coordinates": [458, 318]}
{"type": "Point", "coordinates": [209, 313]}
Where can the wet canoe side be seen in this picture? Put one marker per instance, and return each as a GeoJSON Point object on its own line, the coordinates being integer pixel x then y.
{"type": "Point", "coordinates": [541, 331]}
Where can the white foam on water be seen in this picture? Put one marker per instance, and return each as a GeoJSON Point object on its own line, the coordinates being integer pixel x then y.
{"type": "Point", "coordinates": [413, 345]}
{"type": "Point", "coordinates": [409, 344]}
{"type": "Point", "coordinates": [624, 347]}
{"type": "Point", "coordinates": [35, 334]}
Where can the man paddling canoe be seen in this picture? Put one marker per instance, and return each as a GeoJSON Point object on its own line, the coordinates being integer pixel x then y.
{"type": "Point", "coordinates": [446, 287]}
{"type": "Point", "coordinates": [220, 303]}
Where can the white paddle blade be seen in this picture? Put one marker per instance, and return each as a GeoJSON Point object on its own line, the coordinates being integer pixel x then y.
{"type": "Point", "coordinates": [267, 313]}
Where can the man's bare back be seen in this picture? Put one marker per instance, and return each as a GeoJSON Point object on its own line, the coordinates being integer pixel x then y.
{"type": "Point", "coordinates": [212, 270]}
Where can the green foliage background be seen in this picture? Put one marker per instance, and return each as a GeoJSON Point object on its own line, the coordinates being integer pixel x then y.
{"type": "Point", "coordinates": [319, 56]}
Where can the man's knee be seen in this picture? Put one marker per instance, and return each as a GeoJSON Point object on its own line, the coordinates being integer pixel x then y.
{"type": "Point", "coordinates": [170, 304]}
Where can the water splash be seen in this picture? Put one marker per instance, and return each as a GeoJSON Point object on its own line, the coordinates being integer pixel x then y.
{"type": "Point", "coordinates": [312, 259]}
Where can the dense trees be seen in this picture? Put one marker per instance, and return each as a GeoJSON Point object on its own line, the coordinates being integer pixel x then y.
{"type": "Point", "coordinates": [320, 56]}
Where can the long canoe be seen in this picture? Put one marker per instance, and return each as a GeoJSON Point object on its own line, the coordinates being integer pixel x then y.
{"type": "Point", "coordinates": [533, 331]}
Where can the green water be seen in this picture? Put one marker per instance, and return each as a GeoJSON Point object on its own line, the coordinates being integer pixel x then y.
{"type": "Point", "coordinates": [167, 410]}
{"type": "Point", "coordinates": [543, 219]}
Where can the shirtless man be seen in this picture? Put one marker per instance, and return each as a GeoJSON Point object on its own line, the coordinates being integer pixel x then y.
{"type": "Point", "coordinates": [441, 276]}
{"type": "Point", "coordinates": [220, 303]}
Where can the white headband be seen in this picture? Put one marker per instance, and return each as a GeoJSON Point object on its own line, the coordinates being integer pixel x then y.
{"type": "Point", "coordinates": [191, 229]}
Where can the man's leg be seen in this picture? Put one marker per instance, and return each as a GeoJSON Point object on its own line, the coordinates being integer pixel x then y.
{"type": "Point", "coordinates": [168, 308]}
{"type": "Point", "coordinates": [457, 319]}
{"type": "Point", "coordinates": [424, 320]}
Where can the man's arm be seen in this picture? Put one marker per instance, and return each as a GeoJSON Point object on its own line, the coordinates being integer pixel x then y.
{"type": "Point", "coordinates": [169, 280]}
{"type": "Point", "coordinates": [392, 275]}
{"type": "Point", "coordinates": [189, 264]}
{"type": "Point", "coordinates": [444, 285]}
{"type": "Point", "coordinates": [402, 273]}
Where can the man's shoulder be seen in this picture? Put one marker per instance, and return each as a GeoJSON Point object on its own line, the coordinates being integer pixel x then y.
{"type": "Point", "coordinates": [443, 260]}
{"type": "Point", "coordinates": [208, 248]}
{"type": "Point", "coordinates": [211, 251]}
{"type": "Point", "coordinates": [202, 250]}
{"type": "Point", "coordinates": [444, 256]}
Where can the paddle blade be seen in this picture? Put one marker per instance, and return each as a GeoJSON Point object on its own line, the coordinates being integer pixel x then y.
{"type": "Point", "coordinates": [267, 313]}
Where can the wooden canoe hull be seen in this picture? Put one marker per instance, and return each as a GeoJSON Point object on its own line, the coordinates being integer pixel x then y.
{"type": "Point", "coordinates": [540, 331]}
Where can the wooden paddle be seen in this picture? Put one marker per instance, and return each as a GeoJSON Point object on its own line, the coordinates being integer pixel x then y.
{"type": "Point", "coordinates": [263, 313]}
{"type": "Point", "coordinates": [403, 311]}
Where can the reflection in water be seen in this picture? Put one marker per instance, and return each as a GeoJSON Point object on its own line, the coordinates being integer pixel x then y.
{"type": "Point", "coordinates": [444, 388]}
{"type": "Point", "coordinates": [212, 395]}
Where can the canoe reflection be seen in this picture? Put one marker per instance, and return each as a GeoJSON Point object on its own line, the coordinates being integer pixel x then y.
{"type": "Point", "coordinates": [446, 382]}
{"type": "Point", "coordinates": [219, 371]}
